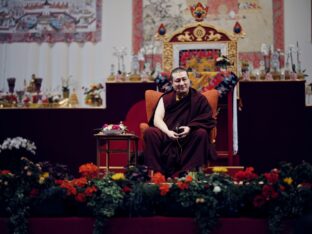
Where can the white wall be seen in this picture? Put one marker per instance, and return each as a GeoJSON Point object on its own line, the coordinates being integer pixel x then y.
{"type": "Point", "coordinates": [89, 63]}
{"type": "Point", "coordinates": [86, 63]}
{"type": "Point", "coordinates": [298, 28]}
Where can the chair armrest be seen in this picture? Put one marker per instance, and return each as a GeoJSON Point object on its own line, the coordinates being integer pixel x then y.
{"type": "Point", "coordinates": [213, 135]}
{"type": "Point", "coordinates": [143, 127]}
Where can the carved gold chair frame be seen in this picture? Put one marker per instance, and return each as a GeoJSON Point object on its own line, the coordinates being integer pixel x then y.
{"type": "Point", "coordinates": [199, 35]}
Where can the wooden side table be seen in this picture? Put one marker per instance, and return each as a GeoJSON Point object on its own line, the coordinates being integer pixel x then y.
{"type": "Point", "coordinates": [106, 140]}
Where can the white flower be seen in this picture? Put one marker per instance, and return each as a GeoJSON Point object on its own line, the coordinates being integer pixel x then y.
{"type": "Point", "coordinates": [216, 189]}
{"type": "Point", "coordinates": [18, 143]}
{"type": "Point", "coordinates": [200, 200]}
{"type": "Point", "coordinates": [116, 127]}
{"type": "Point", "coordinates": [260, 182]}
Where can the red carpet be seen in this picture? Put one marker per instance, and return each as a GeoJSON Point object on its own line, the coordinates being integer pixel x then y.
{"type": "Point", "coordinates": [146, 225]}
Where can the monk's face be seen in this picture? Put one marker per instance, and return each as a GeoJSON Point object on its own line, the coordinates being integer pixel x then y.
{"type": "Point", "coordinates": [181, 83]}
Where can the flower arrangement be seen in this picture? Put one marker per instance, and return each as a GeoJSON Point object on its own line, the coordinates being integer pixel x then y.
{"type": "Point", "coordinates": [11, 151]}
{"type": "Point", "coordinates": [93, 95]}
{"type": "Point", "coordinates": [21, 191]}
{"type": "Point", "coordinates": [223, 62]}
{"type": "Point", "coordinates": [65, 86]}
{"type": "Point", "coordinates": [18, 143]}
{"type": "Point", "coordinates": [114, 129]}
{"type": "Point", "coordinates": [282, 193]}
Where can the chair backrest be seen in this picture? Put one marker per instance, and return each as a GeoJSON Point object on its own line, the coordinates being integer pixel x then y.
{"type": "Point", "coordinates": [151, 100]}
{"type": "Point", "coordinates": [212, 98]}
{"type": "Point", "coordinates": [152, 97]}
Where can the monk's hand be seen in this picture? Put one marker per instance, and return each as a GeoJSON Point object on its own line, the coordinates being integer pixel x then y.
{"type": "Point", "coordinates": [185, 130]}
{"type": "Point", "coordinates": [172, 135]}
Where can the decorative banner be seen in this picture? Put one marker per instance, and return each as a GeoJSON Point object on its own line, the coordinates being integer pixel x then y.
{"type": "Point", "coordinates": [50, 20]}
{"type": "Point", "coordinates": [261, 20]}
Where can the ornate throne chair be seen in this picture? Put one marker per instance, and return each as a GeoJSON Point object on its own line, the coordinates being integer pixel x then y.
{"type": "Point", "coordinates": [196, 46]}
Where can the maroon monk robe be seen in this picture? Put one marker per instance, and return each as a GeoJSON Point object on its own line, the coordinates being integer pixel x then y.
{"type": "Point", "coordinates": [172, 157]}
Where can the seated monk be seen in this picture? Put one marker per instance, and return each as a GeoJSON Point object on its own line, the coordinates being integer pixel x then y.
{"type": "Point", "coordinates": [178, 138]}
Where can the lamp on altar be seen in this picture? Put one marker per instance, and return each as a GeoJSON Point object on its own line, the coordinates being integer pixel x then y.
{"type": "Point", "coordinates": [11, 84]}
{"type": "Point", "coordinates": [38, 83]}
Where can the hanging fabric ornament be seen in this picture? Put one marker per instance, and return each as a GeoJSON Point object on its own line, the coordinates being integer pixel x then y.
{"type": "Point", "coordinates": [162, 30]}
{"type": "Point", "coordinates": [237, 28]}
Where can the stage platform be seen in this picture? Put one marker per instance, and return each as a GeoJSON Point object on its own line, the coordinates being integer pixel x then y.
{"type": "Point", "coordinates": [144, 225]}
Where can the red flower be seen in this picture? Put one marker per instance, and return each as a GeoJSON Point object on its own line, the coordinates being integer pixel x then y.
{"type": "Point", "coordinates": [126, 189]}
{"type": "Point", "coordinates": [258, 201]}
{"type": "Point", "coordinates": [79, 182]}
{"type": "Point", "coordinates": [164, 189]}
{"type": "Point", "coordinates": [115, 127]}
{"type": "Point", "coordinates": [306, 185]}
{"type": "Point", "coordinates": [71, 190]}
{"type": "Point", "coordinates": [90, 190]}
{"type": "Point", "coordinates": [188, 179]}
{"type": "Point", "coordinates": [34, 193]}
{"type": "Point", "coordinates": [158, 178]}
{"type": "Point", "coordinates": [5, 172]}
{"type": "Point", "coordinates": [182, 185]}
{"type": "Point", "coordinates": [272, 177]}
{"type": "Point", "coordinates": [268, 192]}
{"type": "Point", "coordinates": [80, 197]}
{"type": "Point", "coordinates": [248, 174]}
{"type": "Point", "coordinates": [58, 182]}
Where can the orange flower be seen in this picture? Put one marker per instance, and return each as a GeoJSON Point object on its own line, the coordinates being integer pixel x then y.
{"type": "Point", "coordinates": [164, 189]}
{"type": "Point", "coordinates": [71, 190]}
{"type": "Point", "coordinates": [158, 178]}
{"type": "Point", "coordinates": [188, 178]}
{"type": "Point", "coordinates": [79, 182]}
{"type": "Point", "coordinates": [89, 170]}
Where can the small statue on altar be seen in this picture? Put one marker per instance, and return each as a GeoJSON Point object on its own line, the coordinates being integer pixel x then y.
{"type": "Point", "coordinates": [120, 54]}
{"type": "Point", "coordinates": [73, 99]}
{"type": "Point", "coordinates": [275, 61]}
{"type": "Point", "coordinates": [245, 70]}
{"type": "Point", "coordinates": [146, 73]}
{"type": "Point", "coordinates": [135, 66]}
{"type": "Point", "coordinates": [31, 88]}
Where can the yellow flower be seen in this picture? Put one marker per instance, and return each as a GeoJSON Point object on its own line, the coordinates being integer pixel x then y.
{"type": "Point", "coordinates": [288, 180]}
{"type": "Point", "coordinates": [43, 177]}
{"type": "Point", "coordinates": [45, 174]}
{"type": "Point", "coordinates": [118, 176]}
{"type": "Point", "coordinates": [219, 169]}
